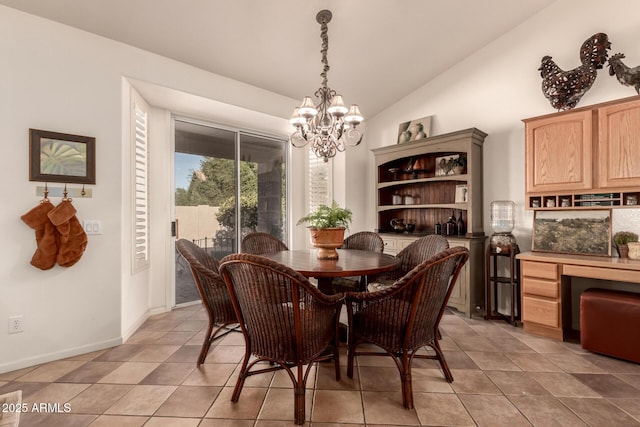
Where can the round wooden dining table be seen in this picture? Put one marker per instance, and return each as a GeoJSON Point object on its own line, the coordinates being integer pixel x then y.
{"type": "Point", "coordinates": [350, 262]}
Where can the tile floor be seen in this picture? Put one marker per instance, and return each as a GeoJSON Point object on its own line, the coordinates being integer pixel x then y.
{"type": "Point", "coordinates": [502, 377]}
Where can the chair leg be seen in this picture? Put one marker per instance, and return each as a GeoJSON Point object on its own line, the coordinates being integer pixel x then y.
{"type": "Point", "coordinates": [205, 345]}
{"type": "Point", "coordinates": [443, 363]}
{"type": "Point", "coordinates": [405, 378]}
{"type": "Point", "coordinates": [241, 377]}
{"type": "Point", "coordinates": [299, 403]}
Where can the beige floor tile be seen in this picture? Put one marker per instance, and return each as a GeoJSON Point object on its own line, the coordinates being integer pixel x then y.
{"type": "Point", "coordinates": [429, 380]}
{"type": "Point", "coordinates": [542, 345]}
{"type": "Point", "coordinates": [509, 344]}
{"type": "Point", "coordinates": [533, 362]}
{"type": "Point", "coordinates": [378, 378]}
{"type": "Point", "coordinates": [261, 380]}
{"type": "Point", "coordinates": [574, 363]}
{"type": "Point", "coordinates": [27, 388]}
{"type": "Point", "coordinates": [191, 326]}
{"type": "Point", "coordinates": [516, 383]}
{"type": "Point", "coordinates": [51, 371]}
{"type": "Point", "coordinates": [185, 354]}
{"type": "Point", "coordinates": [337, 406]}
{"type": "Point", "coordinates": [141, 400]}
{"type": "Point", "coordinates": [172, 422]}
{"type": "Point", "coordinates": [386, 408]}
{"type": "Point", "coordinates": [14, 375]}
{"type": "Point", "coordinates": [468, 381]}
{"type": "Point", "coordinates": [189, 401]}
{"type": "Point", "coordinates": [628, 405]}
{"type": "Point", "coordinates": [546, 411]}
{"type": "Point", "coordinates": [121, 353]}
{"type": "Point", "coordinates": [155, 353]}
{"type": "Point", "coordinates": [613, 365]}
{"type": "Point", "coordinates": [562, 384]}
{"type": "Point", "coordinates": [607, 385]}
{"type": "Point", "coordinates": [175, 337]}
{"type": "Point", "coordinates": [437, 409]}
{"type": "Point", "coordinates": [119, 421]}
{"type": "Point", "coordinates": [493, 411]}
{"type": "Point", "coordinates": [87, 356]}
{"type": "Point", "coordinates": [282, 380]}
{"type": "Point", "coordinates": [145, 336]}
{"type": "Point", "coordinates": [475, 343]}
{"type": "Point", "coordinates": [492, 361]}
{"type": "Point", "coordinates": [210, 375]}
{"type": "Point", "coordinates": [98, 398]}
{"type": "Point", "coordinates": [226, 354]}
{"type": "Point", "coordinates": [279, 405]}
{"type": "Point", "coordinates": [599, 412]}
{"type": "Point", "coordinates": [169, 374]}
{"type": "Point", "coordinates": [326, 378]}
{"type": "Point", "coordinates": [30, 419]}
{"type": "Point", "coordinates": [56, 393]}
{"type": "Point", "coordinates": [632, 379]}
{"type": "Point", "coordinates": [213, 422]}
{"type": "Point", "coordinates": [129, 373]}
{"type": "Point", "coordinates": [90, 372]}
{"type": "Point", "coordinates": [246, 408]}
{"type": "Point", "coordinates": [459, 360]}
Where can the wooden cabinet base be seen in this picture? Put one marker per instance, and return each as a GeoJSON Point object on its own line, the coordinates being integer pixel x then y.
{"type": "Point", "coordinates": [541, 330]}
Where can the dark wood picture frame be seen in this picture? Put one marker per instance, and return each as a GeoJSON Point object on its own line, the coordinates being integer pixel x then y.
{"type": "Point", "coordinates": [578, 232]}
{"type": "Point", "coordinates": [61, 157]}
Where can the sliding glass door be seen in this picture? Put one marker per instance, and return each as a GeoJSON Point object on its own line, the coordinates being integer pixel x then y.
{"type": "Point", "coordinates": [227, 183]}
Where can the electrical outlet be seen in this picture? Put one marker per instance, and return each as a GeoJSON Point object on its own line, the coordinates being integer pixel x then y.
{"type": "Point", "coordinates": [15, 324]}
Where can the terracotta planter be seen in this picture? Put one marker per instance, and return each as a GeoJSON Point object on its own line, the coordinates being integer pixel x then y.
{"type": "Point", "coordinates": [623, 251]}
{"type": "Point", "coordinates": [327, 240]}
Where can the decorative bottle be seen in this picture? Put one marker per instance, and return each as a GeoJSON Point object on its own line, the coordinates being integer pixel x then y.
{"type": "Point", "coordinates": [451, 226]}
{"type": "Point", "coordinates": [461, 227]}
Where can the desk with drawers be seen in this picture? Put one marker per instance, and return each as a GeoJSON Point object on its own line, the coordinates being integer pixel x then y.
{"type": "Point", "coordinates": [546, 287]}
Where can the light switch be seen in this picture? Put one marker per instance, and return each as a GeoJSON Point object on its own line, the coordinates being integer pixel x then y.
{"type": "Point", "coordinates": [92, 226]}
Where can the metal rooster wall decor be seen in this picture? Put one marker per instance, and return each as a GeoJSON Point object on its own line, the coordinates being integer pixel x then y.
{"type": "Point", "coordinates": [565, 88]}
{"type": "Point", "coordinates": [626, 75]}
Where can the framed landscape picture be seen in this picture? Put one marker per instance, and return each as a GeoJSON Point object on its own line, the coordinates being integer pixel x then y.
{"type": "Point", "coordinates": [61, 157]}
{"type": "Point", "coordinates": [582, 232]}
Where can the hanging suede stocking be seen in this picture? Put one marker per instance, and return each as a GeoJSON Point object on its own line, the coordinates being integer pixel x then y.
{"type": "Point", "coordinates": [46, 236]}
{"type": "Point", "coordinates": [73, 239]}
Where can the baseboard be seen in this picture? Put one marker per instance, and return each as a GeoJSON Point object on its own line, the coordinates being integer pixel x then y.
{"type": "Point", "coordinates": [133, 328]}
{"type": "Point", "coordinates": [63, 354]}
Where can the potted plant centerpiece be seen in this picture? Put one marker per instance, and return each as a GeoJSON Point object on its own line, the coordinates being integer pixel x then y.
{"type": "Point", "coordinates": [327, 225]}
{"type": "Point", "coordinates": [621, 239]}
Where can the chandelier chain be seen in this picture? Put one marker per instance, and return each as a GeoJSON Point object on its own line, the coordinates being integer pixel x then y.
{"type": "Point", "coordinates": [324, 35]}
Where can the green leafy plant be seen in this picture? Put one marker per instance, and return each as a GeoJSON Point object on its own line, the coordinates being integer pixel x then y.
{"type": "Point", "coordinates": [328, 217]}
{"type": "Point", "coordinates": [624, 237]}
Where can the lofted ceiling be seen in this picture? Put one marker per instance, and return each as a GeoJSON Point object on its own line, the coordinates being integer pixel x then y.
{"type": "Point", "coordinates": [379, 50]}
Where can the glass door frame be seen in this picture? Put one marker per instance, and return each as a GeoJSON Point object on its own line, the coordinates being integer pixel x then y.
{"type": "Point", "coordinates": [237, 153]}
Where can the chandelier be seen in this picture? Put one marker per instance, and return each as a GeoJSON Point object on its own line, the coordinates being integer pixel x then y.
{"type": "Point", "coordinates": [329, 126]}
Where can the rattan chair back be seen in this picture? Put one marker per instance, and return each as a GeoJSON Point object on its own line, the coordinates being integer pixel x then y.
{"type": "Point", "coordinates": [364, 240]}
{"type": "Point", "coordinates": [285, 320]}
{"type": "Point", "coordinates": [259, 243]}
{"type": "Point", "coordinates": [213, 292]}
{"type": "Point", "coordinates": [405, 317]}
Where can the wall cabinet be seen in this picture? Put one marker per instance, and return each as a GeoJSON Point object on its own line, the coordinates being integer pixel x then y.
{"type": "Point", "coordinates": [584, 157]}
{"type": "Point", "coordinates": [413, 186]}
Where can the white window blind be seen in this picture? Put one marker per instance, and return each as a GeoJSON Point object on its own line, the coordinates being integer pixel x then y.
{"type": "Point", "coordinates": [140, 140]}
{"type": "Point", "coordinates": [319, 180]}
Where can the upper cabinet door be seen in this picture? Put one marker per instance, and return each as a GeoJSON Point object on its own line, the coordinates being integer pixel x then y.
{"type": "Point", "coordinates": [619, 145]}
{"type": "Point", "coordinates": [559, 152]}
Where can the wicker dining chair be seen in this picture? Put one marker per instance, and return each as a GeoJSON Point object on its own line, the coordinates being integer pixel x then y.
{"type": "Point", "coordinates": [213, 292]}
{"type": "Point", "coordinates": [259, 243]}
{"type": "Point", "coordinates": [404, 318]}
{"type": "Point", "coordinates": [285, 320]}
{"type": "Point", "coordinates": [362, 240]}
{"type": "Point", "coordinates": [412, 255]}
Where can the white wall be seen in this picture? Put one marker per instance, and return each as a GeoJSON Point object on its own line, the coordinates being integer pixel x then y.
{"type": "Point", "coordinates": [497, 87]}
{"type": "Point", "coordinates": [61, 79]}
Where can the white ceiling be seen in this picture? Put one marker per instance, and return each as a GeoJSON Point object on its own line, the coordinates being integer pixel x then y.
{"type": "Point", "coordinates": [379, 50]}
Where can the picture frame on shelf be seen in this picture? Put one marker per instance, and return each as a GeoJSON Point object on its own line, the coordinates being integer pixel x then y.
{"type": "Point", "coordinates": [444, 165]}
{"type": "Point", "coordinates": [414, 130]}
{"type": "Point", "coordinates": [577, 232]}
{"type": "Point", "coordinates": [61, 157]}
{"type": "Point", "coordinates": [461, 195]}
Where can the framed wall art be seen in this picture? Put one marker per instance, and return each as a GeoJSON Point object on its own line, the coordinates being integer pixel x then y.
{"type": "Point", "coordinates": [414, 130]}
{"type": "Point", "coordinates": [61, 157]}
{"type": "Point", "coordinates": [581, 232]}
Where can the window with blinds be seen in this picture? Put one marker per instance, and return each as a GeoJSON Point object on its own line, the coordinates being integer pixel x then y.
{"type": "Point", "coordinates": [139, 127]}
{"type": "Point", "coordinates": [320, 186]}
